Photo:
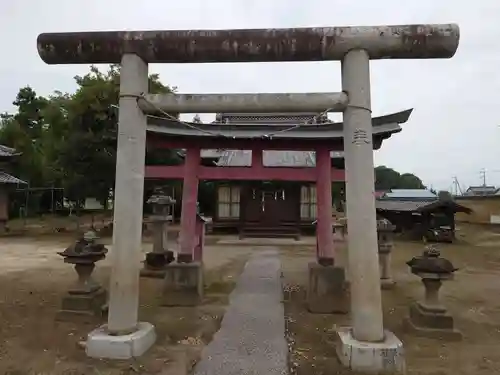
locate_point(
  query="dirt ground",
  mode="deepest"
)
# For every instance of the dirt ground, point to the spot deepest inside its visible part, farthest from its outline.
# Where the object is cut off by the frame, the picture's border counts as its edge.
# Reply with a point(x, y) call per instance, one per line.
point(472, 298)
point(33, 279)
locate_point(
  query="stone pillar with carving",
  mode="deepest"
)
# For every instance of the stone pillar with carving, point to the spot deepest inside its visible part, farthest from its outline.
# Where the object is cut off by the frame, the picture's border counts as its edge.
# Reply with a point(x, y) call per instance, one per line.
point(157, 260)
point(429, 317)
point(385, 234)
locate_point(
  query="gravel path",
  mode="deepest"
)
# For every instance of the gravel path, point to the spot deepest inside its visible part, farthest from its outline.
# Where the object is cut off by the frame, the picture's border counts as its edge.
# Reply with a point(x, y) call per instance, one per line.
point(251, 340)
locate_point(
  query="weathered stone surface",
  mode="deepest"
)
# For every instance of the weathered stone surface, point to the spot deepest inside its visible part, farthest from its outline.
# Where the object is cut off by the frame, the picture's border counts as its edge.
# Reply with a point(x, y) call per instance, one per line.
point(88, 304)
point(100, 344)
point(183, 284)
point(385, 357)
point(255, 45)
point(327, 290)
point(428, 322)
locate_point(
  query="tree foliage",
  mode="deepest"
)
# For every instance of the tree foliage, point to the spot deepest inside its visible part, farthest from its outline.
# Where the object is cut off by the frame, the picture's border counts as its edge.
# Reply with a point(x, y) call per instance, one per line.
point(387, 178)
point(69, 140)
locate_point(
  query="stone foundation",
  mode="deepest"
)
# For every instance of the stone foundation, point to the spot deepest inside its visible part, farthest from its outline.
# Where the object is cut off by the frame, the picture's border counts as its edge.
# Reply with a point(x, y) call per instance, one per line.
point(327, 290)
point(83, 304)
point(386, 357)
point(431, 322)
point(183, 284)
point(100, 344)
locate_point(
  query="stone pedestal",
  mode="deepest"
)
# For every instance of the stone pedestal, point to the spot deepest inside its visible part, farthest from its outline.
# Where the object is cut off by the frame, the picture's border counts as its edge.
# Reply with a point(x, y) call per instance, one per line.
point(155, 264)
point(86, 298)
point(385, 357)
point(428, 322)
point(183, 284)
point(386, 280)
point(327, 290)
point(385, 233)
point(89, 305)
point(338, 231)
point(430, 318)
point(157, 260)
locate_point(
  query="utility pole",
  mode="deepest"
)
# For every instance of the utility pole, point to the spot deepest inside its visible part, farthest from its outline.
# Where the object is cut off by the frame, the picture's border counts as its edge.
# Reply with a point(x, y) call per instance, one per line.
point(458, 188)
point(482, 173)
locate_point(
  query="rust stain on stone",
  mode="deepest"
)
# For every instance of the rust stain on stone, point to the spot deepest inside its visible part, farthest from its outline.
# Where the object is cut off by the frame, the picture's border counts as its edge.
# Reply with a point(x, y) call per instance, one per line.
point(299, 44)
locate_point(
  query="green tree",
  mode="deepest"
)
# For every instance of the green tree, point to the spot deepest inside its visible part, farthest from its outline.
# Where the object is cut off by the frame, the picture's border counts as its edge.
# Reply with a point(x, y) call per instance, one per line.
point(87, 156)
point(387, 178)
point(24, 131)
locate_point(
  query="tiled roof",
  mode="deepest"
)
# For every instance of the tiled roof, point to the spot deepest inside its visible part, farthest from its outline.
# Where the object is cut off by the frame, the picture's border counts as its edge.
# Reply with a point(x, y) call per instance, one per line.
point(7, 151)
point(396, 205)
point(8, 179)
point(383, 128)
point(417, 205)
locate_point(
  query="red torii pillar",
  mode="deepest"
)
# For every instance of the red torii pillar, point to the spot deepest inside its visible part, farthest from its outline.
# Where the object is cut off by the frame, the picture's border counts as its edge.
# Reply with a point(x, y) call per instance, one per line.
point(324, 234)
point(189, 206)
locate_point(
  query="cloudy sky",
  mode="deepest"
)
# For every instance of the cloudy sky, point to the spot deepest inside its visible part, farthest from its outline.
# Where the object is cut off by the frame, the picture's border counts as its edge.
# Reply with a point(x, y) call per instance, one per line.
point(454, 130)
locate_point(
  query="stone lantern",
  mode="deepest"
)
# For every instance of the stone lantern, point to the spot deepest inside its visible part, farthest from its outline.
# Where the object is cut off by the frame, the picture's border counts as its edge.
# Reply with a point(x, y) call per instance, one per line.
point(429, 317)
point(156, 260)
point(385, 236)
point(86, 297)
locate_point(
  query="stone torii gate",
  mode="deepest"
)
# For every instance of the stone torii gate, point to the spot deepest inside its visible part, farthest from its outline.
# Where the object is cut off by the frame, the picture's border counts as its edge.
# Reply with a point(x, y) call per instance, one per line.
point(366, 346)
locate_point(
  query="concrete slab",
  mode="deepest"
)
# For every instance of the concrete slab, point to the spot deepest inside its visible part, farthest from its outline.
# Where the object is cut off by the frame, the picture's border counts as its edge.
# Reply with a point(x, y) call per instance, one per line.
point(385, 357)
point(251, 339)
point(100, 344)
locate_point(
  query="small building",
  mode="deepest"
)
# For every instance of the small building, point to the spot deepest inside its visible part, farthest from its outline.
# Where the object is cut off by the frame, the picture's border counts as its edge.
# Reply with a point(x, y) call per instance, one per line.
point(483, 190)
point(419, 215)
point(7, 183)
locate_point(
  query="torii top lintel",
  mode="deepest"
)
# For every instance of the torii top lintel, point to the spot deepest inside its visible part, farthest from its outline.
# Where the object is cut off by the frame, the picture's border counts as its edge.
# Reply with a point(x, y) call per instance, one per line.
point(254, 45)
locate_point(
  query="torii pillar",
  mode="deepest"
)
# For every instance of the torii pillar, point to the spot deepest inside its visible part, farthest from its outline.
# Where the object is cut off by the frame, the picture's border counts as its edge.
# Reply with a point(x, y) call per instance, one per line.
point(365, 346)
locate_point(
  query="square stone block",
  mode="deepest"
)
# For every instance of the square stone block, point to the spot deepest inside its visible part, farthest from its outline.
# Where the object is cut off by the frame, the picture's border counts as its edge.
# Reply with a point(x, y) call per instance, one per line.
point(183, 284)
point(434, 324)
point(386, 357)
point(154, 274)
point(100, 344)
point(85, 304)
point(327, 290)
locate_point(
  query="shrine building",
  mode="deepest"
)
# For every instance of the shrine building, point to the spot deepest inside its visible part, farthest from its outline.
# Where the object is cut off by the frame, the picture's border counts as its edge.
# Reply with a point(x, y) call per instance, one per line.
point(255, 207)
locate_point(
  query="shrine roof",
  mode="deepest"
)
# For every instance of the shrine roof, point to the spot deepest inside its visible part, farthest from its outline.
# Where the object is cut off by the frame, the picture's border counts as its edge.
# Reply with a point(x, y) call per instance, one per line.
point(6, 178)
point(383, 126)
point(7, 151)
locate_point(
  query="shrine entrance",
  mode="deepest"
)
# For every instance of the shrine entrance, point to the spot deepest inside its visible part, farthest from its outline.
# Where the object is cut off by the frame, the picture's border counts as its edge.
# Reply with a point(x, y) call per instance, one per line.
point(269, 209)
